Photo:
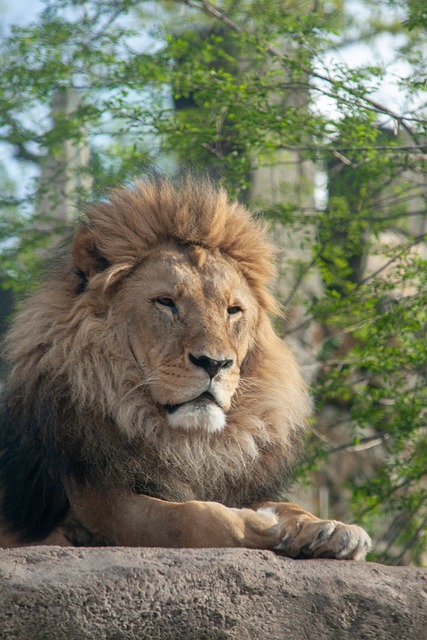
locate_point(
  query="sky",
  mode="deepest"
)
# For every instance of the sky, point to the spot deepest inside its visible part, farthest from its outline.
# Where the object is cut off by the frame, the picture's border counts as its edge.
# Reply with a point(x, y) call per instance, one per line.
point(18, 12)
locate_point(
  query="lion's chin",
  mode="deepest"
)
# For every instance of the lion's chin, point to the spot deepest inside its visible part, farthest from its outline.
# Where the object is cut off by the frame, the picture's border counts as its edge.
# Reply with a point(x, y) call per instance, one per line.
point(208, 417)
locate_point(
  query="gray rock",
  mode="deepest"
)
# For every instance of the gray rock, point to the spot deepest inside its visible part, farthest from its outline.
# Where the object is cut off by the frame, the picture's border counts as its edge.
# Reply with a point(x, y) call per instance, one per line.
point(53, 593)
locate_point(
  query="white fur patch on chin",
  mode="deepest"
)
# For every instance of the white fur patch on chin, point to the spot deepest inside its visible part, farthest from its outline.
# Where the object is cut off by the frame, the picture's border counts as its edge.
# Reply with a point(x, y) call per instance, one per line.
point(210, 418)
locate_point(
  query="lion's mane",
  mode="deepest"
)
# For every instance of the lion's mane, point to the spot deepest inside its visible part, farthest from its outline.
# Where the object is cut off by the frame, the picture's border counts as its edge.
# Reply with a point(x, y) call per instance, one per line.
point(75, 405)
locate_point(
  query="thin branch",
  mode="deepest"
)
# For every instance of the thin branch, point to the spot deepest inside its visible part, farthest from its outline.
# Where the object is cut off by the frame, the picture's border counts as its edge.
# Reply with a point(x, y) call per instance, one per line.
point(301, 276)
point(383, 499)
point(216, 152)
point(213, 11)
point(416, 241)
point(12, 202)
point(17, 139)
point(299, 327)
point(364, 443)
point(412, 540)
point(23, 153)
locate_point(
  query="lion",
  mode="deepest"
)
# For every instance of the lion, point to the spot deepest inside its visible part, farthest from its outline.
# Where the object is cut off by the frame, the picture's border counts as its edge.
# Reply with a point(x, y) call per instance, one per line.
point(150, 401)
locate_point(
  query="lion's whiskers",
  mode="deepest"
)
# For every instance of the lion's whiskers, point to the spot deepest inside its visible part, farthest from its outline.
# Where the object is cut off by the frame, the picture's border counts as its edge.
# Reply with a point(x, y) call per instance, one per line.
point(150, 379)
point(245, 385)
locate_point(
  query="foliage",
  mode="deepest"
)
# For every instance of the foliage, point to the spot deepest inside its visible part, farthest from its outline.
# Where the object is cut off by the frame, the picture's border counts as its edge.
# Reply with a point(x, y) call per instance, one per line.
point(230, 87)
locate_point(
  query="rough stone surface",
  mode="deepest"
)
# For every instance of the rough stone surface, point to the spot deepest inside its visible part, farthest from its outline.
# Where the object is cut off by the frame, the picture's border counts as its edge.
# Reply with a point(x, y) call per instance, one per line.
point(53, 593)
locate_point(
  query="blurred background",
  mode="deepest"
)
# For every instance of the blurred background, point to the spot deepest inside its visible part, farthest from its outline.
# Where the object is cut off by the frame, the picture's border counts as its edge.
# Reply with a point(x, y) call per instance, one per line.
point(312, 113)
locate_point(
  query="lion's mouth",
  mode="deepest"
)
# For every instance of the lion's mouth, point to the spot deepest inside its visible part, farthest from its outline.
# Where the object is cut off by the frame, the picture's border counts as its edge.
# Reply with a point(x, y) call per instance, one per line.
point(201, 399)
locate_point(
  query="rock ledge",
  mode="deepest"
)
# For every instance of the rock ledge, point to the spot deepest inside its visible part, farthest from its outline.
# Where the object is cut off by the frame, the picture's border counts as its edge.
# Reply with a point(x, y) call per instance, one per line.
point(54, 593)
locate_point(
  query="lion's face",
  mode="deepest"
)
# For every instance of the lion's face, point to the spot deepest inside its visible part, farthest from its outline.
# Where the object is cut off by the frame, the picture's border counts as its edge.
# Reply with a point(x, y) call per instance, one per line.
point(191, 319)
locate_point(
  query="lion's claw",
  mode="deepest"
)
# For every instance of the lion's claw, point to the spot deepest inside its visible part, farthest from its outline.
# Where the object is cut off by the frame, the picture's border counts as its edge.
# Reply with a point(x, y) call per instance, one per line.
point(327, 539)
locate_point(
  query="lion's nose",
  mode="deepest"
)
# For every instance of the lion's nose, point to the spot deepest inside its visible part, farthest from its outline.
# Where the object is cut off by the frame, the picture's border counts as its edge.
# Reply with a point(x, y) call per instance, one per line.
point(210, 365)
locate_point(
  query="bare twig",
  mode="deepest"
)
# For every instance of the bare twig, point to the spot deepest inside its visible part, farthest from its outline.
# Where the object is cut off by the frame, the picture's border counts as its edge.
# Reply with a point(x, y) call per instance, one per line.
point(300, 278)
point(364, 443)
point(212, 149)
point(412, 540)
point(409, 245)
point(213, 11)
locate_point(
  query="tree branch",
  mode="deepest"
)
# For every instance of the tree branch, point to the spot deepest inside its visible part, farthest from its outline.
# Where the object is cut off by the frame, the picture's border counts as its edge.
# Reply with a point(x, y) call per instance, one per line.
point(17, 139)
point(407, 246)
point(213, 11)
point(364, 443)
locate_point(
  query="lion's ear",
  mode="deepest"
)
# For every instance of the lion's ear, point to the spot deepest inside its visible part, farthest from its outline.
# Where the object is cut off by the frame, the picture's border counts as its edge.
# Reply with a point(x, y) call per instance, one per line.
point(86, 255)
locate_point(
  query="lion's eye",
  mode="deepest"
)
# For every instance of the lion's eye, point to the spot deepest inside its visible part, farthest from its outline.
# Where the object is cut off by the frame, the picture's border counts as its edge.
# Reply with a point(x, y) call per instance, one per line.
point(234, 309)
point(166, 302)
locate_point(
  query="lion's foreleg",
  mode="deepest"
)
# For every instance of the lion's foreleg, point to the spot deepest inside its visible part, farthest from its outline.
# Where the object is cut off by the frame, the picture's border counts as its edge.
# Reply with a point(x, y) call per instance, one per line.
point(136, 520)
point(120, 518)
point(304, 534)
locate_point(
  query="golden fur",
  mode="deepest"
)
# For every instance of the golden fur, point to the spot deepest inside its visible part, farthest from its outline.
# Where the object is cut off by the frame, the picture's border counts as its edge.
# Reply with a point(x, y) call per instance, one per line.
point(109, 366)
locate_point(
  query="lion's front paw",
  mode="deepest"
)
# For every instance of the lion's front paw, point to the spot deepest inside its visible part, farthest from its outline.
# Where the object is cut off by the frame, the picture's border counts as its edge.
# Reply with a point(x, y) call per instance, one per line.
point(336, 540)
point(327, 539)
